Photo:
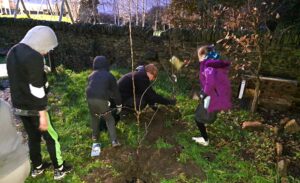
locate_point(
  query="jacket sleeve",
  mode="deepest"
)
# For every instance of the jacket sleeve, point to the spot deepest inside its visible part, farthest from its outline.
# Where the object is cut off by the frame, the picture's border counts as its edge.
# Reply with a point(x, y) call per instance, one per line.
point(150, 95)
point(37, 81)
point(115, 93)
point(209, 83)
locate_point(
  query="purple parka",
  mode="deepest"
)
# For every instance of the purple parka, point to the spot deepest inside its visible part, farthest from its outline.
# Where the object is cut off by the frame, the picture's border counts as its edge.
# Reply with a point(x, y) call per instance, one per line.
point(215, 83)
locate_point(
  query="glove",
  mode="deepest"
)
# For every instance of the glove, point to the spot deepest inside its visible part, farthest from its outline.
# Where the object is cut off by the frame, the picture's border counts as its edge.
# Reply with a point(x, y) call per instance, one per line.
point(154, 107)
point(172, 102)
point(119, 108)
point(202, 95)
point(47, 69)
point(174, 78)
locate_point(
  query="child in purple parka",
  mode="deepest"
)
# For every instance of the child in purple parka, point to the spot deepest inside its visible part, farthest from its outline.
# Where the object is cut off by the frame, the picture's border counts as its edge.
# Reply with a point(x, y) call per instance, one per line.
point(215, 84)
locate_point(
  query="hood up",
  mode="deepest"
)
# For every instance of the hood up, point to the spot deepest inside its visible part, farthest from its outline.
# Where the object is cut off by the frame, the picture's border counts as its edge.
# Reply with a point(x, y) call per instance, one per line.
point(100, 63)
point(40, 38)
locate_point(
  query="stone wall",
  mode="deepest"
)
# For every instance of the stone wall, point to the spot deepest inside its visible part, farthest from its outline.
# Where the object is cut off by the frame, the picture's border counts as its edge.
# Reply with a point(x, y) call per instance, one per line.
point(79, 43)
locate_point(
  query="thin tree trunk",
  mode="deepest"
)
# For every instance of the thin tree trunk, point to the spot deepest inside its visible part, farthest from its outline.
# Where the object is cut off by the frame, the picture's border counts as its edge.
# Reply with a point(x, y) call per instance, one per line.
point(115, 12)
point(257, 82)
point(155, 21)
point(131, 51)
point(75, 7)
point(57, 8)
point(256, 95)
point(95, 12)
point(118, 12)
point(143, 13)
point(137, 12)
point(134, 94)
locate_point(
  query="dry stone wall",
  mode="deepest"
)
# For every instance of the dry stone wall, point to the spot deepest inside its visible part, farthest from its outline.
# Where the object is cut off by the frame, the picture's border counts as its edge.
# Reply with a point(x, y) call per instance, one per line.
point(80, 43)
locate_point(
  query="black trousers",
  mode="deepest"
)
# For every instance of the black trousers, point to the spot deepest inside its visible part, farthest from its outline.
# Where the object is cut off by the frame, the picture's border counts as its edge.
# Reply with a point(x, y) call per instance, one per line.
point(98, 107)
point(31, 125)
point(202, 117)
point(202, 129)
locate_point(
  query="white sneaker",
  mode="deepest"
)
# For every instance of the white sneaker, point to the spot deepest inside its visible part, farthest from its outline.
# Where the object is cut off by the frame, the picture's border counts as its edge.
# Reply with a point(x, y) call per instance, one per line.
point(201, 141)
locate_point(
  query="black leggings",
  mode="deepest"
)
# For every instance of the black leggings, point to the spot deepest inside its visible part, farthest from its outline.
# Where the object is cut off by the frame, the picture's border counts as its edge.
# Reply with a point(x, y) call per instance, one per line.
point(202, 129)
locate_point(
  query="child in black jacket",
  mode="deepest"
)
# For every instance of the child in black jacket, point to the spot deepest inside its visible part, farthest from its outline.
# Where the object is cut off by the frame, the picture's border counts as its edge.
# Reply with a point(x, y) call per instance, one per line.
point(102, 86)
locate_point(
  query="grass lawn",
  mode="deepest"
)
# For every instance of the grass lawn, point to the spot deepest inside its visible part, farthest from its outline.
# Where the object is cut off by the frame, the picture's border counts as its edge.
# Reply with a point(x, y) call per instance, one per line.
point(233, 155)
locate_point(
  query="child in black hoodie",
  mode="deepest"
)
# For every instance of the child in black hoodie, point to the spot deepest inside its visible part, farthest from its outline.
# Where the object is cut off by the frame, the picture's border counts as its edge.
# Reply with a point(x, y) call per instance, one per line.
point(102, 86)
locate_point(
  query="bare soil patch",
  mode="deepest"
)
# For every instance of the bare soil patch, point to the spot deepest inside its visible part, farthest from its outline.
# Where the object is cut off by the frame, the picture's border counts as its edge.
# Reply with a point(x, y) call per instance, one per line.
point(148, 164)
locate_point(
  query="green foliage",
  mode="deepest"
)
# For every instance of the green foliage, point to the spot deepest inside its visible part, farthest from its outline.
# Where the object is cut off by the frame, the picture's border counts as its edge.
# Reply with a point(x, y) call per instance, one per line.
point(180, 178)
point(161, 144)
point(129, 131)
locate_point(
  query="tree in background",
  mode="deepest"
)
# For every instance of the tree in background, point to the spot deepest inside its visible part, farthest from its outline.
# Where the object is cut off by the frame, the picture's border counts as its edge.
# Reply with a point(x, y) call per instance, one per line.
point(88, 12)
point(143, 12)
point(249, 38)
point(250, 27)
point(195, 14)
point(253, 32)
point(206, 14)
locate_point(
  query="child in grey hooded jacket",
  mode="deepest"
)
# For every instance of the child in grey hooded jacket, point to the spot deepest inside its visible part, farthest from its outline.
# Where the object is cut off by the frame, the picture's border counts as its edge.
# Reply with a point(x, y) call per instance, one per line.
point(28, 86)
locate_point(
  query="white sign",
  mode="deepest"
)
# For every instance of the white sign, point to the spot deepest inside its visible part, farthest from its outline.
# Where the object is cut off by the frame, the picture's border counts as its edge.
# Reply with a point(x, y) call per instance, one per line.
point(3, 71)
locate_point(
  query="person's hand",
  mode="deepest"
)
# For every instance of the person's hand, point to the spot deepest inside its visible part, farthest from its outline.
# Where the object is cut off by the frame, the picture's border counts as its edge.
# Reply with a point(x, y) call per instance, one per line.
point(202, 95)
point(186, 63)
point(154, 107)
point(43, 121)
point(119, 108)
point(172, 102)
point(174, 78)
point(47, 69)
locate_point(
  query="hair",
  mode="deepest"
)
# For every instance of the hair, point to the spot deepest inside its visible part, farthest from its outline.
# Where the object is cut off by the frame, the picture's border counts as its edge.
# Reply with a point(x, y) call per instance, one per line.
point(202, 51)
point(151, 68)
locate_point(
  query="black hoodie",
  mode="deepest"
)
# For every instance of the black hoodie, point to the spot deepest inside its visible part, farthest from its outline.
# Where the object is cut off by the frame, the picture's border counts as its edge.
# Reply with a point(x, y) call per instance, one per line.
point(101, 83)
point(142, 84)
point(25, 66)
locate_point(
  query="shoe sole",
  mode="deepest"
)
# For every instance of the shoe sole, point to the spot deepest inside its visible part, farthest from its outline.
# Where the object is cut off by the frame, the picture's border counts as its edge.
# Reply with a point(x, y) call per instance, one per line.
point(194, 138)
point(201, 143)
point(34, 176)
point(62, 176)
point(118, 145)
